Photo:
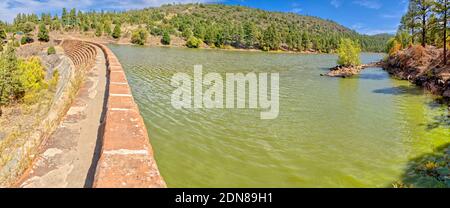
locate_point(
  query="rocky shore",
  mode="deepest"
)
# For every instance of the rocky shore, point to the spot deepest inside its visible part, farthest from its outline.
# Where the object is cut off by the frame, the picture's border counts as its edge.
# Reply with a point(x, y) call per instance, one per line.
point(424, 67)
point(348, 71)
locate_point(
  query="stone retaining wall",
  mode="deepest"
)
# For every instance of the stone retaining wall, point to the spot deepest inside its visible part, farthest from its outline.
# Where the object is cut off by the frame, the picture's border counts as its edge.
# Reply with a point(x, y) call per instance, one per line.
point(24, 153)
point(81, 53)
point(126, 159)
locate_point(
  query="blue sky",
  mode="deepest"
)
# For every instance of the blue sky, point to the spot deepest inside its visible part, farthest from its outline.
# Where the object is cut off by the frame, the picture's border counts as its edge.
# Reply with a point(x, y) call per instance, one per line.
point(364, 16)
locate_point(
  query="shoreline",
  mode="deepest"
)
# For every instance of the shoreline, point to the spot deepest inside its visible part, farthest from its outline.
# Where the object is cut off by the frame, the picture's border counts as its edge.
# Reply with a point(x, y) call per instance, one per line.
point(180, 43)
point(420, 66)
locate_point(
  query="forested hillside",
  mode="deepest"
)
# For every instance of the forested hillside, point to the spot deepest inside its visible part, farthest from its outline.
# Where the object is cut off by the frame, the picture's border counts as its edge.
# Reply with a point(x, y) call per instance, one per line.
point(214, 24)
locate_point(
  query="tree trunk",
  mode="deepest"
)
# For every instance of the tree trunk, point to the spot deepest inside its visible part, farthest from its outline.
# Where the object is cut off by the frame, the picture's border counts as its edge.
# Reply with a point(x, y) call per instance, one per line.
point(445, 33)
point(424, 30)
point(412, 30)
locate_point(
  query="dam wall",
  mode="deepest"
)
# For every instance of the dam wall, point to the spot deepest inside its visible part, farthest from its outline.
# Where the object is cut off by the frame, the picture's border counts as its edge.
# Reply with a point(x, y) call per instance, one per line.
point(126, 159)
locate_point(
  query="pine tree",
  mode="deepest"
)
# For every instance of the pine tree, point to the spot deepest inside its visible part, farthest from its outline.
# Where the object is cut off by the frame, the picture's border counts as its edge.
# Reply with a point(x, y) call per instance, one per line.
point(3, 35)
point(271, 38)
point(99, 30)
point(73, 17)
point(117, 31)
point(424, 9)
point(65, 17)
point(410, 20)
point(107, 28)
point(43, 33)
point(187, 33)
point(441, 7)
point(8, 75)
point(165, 38)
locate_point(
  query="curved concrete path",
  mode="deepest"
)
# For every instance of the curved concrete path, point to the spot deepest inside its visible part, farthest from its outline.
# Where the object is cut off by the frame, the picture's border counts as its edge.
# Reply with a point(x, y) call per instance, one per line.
point(68, 158)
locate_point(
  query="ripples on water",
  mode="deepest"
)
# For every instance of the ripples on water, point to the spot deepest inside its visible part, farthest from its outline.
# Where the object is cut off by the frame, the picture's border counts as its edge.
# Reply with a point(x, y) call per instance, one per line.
point(356, 132)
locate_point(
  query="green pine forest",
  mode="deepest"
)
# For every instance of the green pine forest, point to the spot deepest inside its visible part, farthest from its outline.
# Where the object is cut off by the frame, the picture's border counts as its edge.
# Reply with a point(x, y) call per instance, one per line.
point(213, 24)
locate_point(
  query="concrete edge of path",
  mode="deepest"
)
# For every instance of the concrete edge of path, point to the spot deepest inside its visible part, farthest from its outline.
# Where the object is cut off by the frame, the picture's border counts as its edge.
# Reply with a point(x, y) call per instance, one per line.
point(126, 158)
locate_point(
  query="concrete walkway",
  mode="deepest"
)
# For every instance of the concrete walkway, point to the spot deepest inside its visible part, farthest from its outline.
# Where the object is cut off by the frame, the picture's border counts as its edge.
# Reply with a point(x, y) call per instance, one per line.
point(69, 157)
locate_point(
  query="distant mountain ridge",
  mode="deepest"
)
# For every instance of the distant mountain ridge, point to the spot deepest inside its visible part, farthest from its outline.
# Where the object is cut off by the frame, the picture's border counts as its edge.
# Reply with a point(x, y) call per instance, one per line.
point(298, 32)
point(216, 25)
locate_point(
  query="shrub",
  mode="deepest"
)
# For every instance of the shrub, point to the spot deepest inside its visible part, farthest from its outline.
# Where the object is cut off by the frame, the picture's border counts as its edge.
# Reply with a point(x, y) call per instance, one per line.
point(187, 33)
point(55, 25)
point(404, 39)
point(31, 78)
point(98, 30)
point(107, 28)
point(396, 47)
point(117, 32)
point(139, 36)
point(27, 27)
point(16, 43)
point(9, 86)
point(156, 31)
point(193, 42)
point(54, 81)
point(51, 50)
point(25, 40)
point(43, 33)
point(2, 34)
point(85, 27)
point(165, 39)
point(349, 53)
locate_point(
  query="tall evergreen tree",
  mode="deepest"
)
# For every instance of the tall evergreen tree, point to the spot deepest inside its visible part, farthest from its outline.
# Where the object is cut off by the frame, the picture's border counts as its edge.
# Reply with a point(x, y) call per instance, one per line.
point(271, 38)
point(409, 21)
point(65, 17)
point(8, 75)
point(424, 9)
point(441, 7)
point(2, 33)
point(43, 33)
point(117, 31)
point(165, 38)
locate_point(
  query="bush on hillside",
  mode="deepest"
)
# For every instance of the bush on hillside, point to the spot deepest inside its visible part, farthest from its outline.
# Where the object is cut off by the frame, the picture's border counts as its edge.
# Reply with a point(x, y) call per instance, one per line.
point(27, 27)
point(187, 33)
point(107, 28)
point(165, 39)
point(193, 42)
point(98, 30)
point(31, 78)
point(25, 40)
point(43, 33)
point(54, 81)
point(51, 50)
point(117, 32)
point(2, 34)
point(139, 36)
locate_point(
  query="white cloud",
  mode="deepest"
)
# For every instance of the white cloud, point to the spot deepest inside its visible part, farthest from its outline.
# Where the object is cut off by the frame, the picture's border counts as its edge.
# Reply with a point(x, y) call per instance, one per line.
point(296, 10)
point(335, 3)
point(362, 28)
point(10, 8)
point(371, 4)
point(390, 16)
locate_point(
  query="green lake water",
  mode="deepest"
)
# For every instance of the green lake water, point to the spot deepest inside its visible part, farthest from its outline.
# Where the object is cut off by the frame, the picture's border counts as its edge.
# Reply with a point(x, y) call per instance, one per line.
point(354, 132)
